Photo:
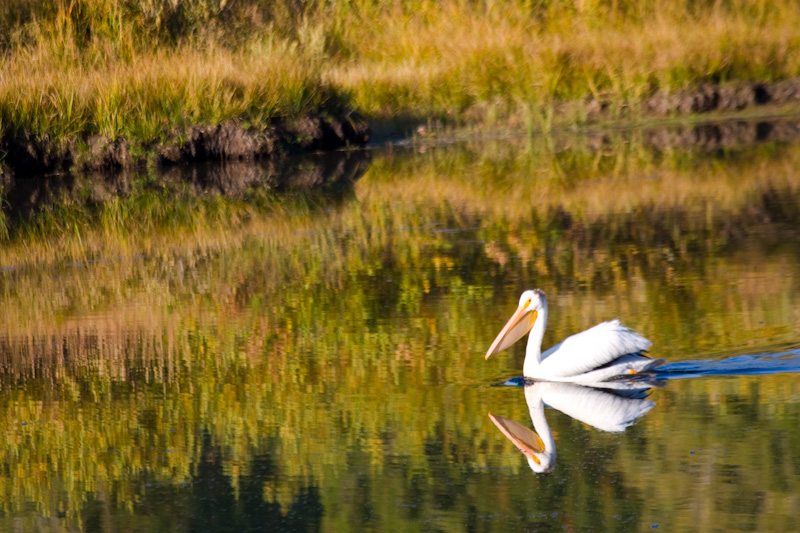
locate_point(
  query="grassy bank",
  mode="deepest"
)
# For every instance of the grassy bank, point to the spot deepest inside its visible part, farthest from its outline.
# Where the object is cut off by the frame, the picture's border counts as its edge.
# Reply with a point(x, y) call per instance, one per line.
point(65, 89)
point(149, 70)
point(518, 59)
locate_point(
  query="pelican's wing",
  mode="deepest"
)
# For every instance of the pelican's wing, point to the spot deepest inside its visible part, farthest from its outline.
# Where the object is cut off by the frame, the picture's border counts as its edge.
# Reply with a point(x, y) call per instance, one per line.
point(592, 349)
point(603, 410)
point(627, 366)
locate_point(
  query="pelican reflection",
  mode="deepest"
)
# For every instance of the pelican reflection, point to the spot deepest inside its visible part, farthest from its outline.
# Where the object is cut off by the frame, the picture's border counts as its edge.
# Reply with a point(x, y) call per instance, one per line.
point(613, 408)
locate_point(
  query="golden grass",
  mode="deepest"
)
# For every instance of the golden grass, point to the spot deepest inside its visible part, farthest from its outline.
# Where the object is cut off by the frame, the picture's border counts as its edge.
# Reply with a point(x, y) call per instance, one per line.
point(462, 60)
point(108, 67)
point(159, 93)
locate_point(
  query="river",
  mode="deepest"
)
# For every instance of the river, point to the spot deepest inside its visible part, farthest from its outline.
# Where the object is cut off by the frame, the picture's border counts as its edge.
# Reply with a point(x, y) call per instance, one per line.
point(210, 355)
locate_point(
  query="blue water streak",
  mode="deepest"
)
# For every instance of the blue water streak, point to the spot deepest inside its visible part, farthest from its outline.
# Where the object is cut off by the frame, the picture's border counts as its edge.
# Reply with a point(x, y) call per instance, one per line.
point(740, 365)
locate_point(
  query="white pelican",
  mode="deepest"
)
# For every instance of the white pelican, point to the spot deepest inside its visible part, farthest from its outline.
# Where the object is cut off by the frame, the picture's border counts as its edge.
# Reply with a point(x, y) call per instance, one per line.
point(607, 411)
point(606, 351)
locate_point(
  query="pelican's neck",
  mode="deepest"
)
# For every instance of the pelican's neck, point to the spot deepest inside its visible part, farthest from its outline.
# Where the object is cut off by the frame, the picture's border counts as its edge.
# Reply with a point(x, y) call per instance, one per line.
point(533, 353)
point(533, 397)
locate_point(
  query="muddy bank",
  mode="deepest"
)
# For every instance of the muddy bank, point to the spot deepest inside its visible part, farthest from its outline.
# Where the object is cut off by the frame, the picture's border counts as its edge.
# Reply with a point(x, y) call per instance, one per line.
point(233, 141)
point(229, 141)
point(705, 98)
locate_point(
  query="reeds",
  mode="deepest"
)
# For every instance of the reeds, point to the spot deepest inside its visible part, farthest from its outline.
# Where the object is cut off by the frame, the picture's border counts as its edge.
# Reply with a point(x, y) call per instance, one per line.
point(146, 70)
point(462, 61)
point(157, 94)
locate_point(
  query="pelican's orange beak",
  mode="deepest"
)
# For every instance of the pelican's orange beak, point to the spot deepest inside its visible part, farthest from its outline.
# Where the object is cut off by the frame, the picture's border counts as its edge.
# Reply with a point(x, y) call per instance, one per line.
point(517, 327)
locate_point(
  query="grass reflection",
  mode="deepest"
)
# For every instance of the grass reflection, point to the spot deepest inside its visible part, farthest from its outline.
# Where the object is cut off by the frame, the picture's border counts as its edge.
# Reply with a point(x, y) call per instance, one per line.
point(330, 356)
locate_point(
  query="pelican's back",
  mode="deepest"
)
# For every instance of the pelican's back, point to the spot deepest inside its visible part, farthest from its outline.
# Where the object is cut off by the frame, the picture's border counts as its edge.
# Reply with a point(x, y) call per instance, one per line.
point(591, 349)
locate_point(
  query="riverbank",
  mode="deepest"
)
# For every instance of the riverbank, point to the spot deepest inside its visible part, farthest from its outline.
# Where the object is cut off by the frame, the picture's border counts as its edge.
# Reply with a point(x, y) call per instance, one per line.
point(114, 84)
point(720, 116)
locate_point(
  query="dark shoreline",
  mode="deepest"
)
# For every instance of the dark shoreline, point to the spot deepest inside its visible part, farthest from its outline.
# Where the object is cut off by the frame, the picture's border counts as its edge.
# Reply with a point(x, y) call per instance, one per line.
point(27, 156)
point(705, 98)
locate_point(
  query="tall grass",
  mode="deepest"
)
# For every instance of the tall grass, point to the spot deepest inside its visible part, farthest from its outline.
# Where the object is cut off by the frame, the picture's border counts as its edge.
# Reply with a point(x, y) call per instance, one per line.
point(147, 70)
point(74, 68)
point(152, 95)
point(473, 60)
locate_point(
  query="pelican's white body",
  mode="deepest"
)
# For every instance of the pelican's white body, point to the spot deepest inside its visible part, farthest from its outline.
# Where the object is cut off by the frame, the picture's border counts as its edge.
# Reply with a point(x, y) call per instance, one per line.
point(606, 351)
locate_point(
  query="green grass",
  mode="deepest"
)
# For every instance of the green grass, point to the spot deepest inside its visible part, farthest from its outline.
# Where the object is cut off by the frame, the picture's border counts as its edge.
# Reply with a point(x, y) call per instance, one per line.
point(149, 70)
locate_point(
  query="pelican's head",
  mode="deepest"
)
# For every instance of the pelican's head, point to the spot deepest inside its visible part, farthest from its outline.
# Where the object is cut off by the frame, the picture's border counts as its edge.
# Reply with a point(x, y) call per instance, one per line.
point(540, 459)
point(542, 463)
point(531, 304)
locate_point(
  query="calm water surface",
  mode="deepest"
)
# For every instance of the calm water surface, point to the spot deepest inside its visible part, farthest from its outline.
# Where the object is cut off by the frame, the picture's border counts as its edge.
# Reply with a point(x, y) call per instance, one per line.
point(319, 365)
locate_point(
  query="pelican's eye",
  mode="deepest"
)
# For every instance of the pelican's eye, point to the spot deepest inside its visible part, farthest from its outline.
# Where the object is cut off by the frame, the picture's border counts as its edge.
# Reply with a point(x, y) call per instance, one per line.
point(527, 302)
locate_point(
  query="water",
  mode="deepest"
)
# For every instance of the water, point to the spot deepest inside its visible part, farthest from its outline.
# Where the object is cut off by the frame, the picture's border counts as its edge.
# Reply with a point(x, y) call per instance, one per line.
point(317, 364)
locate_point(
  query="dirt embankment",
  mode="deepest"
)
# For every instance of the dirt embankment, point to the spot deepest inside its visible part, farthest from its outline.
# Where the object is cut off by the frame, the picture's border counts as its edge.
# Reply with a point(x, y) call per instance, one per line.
point(232, 141)
point(227, 141)
point(705, 98)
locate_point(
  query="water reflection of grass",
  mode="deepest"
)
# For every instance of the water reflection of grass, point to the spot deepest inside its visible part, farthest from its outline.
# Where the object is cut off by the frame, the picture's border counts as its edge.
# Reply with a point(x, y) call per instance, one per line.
point(282, 334)
point(586, 182)
point(548, 222)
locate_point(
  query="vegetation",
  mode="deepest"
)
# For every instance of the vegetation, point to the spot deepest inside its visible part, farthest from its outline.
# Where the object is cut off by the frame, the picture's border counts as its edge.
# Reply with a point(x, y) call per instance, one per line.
point(172, 361)
point(147, 71)
point(312, 358)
